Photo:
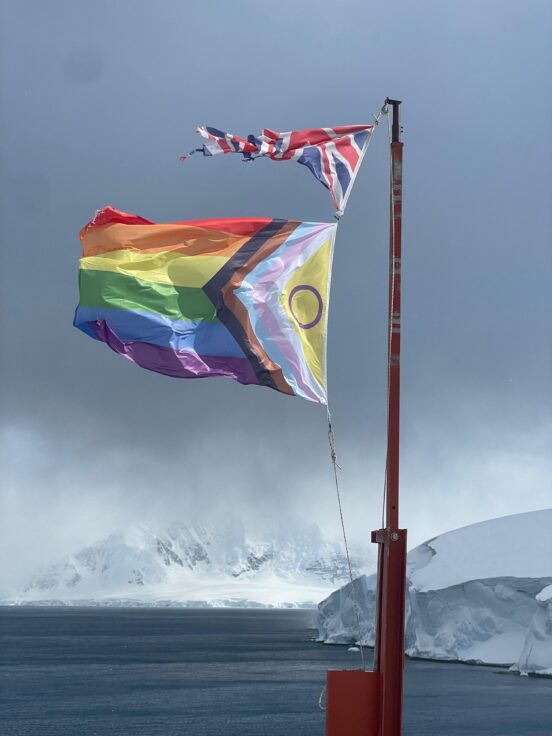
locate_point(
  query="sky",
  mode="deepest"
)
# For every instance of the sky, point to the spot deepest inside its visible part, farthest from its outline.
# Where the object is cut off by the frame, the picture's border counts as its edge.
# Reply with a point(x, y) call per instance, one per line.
point(98, 101)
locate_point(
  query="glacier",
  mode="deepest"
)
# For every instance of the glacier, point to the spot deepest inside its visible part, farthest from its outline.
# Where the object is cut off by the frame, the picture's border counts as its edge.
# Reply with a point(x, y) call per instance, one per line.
point(479, 594)
point(267, 564)
point(536, 656)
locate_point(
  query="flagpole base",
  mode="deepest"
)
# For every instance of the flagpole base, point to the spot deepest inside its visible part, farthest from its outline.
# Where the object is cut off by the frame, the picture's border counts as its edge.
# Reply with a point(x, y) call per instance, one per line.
point(390, 619)
point(353, 703)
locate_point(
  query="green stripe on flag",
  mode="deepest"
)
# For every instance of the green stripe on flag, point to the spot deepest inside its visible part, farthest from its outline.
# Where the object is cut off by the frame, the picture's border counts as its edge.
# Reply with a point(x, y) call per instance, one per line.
point(107, 289)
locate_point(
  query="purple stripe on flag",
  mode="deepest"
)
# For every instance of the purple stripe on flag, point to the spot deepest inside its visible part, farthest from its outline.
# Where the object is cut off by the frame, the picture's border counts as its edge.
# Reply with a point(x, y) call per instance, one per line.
point(182, 364)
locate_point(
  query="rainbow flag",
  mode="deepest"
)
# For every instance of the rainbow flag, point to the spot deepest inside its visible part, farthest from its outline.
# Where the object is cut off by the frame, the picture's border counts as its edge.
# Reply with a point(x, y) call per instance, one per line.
point(243, 298)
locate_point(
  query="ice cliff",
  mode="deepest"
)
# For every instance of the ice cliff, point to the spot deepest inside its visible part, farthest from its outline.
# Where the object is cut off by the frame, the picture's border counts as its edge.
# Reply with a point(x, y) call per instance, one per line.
point(482, 593)
point(536, 656)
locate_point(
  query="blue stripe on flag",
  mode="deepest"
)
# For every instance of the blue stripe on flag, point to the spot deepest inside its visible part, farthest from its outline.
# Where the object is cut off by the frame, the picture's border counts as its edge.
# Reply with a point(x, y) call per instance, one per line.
point(215, 131)
point(342, 174)
point(360, 138)
point(205, 338)
point(312, 159)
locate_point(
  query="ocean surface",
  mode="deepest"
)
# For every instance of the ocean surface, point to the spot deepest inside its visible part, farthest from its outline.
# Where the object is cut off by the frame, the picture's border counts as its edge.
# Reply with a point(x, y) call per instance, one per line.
point(174, 672)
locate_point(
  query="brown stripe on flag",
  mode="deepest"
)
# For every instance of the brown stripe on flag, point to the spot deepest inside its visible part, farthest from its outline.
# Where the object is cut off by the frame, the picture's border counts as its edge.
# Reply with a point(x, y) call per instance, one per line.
point(239, 310)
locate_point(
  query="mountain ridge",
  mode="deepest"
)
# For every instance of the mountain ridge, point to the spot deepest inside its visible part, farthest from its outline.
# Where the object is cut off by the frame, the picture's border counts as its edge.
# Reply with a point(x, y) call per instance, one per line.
point(271, 564)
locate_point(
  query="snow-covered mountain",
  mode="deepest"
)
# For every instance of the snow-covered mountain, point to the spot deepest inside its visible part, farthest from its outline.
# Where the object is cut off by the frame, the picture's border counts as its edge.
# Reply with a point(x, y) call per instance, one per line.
point(273, 565)
point(477, 594)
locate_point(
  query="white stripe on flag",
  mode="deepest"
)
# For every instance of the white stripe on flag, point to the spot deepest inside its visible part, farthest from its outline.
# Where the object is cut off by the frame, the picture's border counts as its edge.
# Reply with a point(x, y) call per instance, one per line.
point(335, 188)
point(331, 132)
point(283, 147)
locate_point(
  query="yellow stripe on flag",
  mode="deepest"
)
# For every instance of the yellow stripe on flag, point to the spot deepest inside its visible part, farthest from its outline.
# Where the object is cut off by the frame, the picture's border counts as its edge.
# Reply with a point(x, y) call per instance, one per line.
point(305, 300)
point(158, 268)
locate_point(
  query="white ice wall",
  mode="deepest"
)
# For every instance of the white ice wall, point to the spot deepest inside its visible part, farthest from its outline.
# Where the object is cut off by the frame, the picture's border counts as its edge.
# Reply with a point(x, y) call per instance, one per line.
point(501, 616)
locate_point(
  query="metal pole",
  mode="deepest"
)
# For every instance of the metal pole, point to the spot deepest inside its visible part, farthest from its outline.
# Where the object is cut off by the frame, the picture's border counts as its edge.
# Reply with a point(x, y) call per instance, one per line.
point(395, 233)
point(389, 647)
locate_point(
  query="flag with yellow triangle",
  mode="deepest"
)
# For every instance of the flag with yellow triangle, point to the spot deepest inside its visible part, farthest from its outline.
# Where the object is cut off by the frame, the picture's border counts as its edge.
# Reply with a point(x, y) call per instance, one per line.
point(245, 298)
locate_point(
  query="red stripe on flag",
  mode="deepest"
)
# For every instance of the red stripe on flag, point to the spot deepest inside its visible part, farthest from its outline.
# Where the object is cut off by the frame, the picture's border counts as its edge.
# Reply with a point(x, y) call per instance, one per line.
point(312, 137)
point(341, 130)
point(246, 226)
point(345, 148)
point(224, 145)
point(109, 214)
point(328, 173)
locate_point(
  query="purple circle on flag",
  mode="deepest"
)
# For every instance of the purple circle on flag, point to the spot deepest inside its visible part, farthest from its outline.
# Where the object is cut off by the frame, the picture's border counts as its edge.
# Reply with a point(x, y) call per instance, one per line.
point(316, 320)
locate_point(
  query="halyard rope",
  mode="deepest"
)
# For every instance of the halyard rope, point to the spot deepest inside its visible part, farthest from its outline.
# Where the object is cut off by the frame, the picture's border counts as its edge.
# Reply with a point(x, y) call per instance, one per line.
point(321, 703)
point(331, 442)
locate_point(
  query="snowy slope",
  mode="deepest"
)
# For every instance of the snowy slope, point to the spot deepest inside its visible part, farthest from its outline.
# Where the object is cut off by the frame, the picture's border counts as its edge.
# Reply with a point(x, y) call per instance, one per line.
point(287, 565)
point(474, 594)
point(518, 546)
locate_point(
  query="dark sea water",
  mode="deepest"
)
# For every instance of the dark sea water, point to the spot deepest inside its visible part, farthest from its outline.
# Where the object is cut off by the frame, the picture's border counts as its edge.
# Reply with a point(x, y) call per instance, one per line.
point(148, 672)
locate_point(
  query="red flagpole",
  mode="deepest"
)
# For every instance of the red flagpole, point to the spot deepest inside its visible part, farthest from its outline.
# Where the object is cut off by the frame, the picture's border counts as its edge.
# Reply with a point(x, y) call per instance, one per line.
point(389, 647)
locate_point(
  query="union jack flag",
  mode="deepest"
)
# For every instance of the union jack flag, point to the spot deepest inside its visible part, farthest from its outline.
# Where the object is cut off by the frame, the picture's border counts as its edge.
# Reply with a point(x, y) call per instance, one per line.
point(332, 154)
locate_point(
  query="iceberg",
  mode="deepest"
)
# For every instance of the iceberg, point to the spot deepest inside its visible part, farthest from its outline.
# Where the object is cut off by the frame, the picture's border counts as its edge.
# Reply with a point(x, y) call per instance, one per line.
point(480, 594)
point(536, 656)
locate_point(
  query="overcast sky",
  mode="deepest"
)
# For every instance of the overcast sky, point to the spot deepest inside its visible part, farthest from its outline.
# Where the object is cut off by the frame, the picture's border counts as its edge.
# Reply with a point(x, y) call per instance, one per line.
point(99, 99)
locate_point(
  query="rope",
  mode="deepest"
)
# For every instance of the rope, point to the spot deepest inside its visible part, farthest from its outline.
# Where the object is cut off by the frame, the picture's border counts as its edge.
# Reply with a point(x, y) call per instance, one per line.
point(321, 703)
point(336, 467)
